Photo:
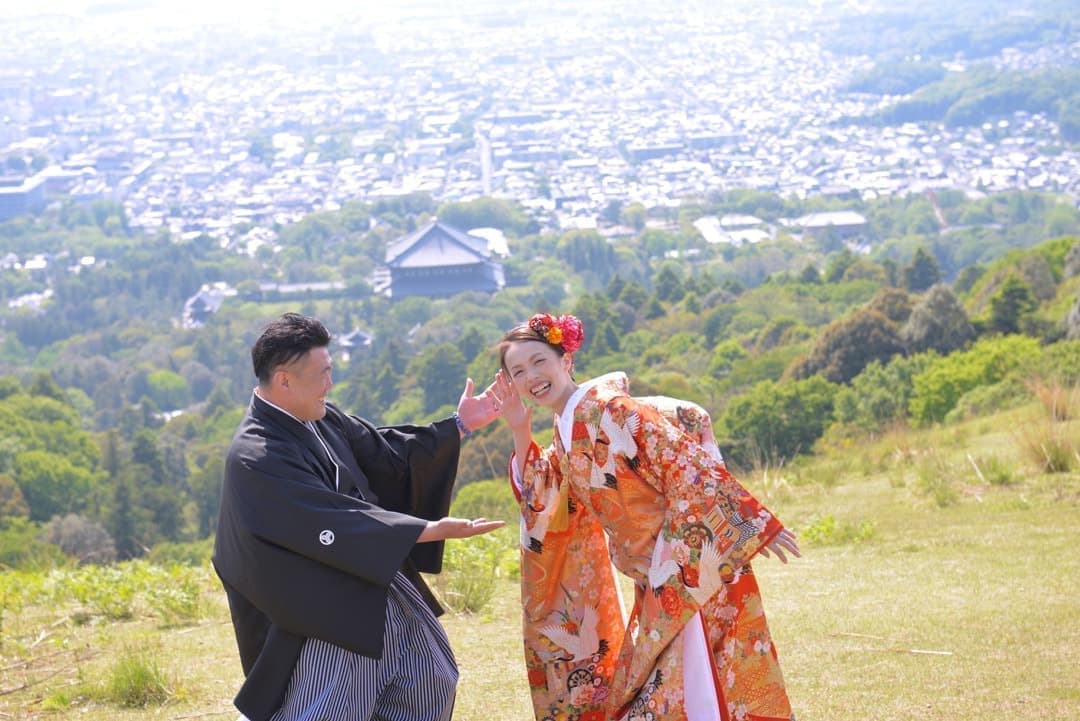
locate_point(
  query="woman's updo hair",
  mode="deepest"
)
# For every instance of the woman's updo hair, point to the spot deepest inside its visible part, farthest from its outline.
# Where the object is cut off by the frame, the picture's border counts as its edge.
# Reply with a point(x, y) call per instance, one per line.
point(564, 333)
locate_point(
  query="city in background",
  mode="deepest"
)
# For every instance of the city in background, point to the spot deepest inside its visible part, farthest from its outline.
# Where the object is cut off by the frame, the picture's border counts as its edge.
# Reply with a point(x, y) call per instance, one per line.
point(233, 121)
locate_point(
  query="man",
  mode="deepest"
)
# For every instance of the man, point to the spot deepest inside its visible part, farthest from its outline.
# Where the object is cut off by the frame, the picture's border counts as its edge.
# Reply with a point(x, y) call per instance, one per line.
point(325, 523)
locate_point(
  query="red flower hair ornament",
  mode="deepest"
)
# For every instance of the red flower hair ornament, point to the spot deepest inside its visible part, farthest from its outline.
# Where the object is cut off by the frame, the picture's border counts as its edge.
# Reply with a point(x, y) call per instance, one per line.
point(565, 331)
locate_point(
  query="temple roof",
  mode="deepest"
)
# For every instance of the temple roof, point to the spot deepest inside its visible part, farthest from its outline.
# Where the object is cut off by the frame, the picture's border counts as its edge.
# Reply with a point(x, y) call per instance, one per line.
point(437, 244)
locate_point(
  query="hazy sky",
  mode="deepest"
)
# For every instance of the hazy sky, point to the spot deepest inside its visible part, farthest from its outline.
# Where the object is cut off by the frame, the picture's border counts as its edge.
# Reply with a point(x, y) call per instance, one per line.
point(196, 11)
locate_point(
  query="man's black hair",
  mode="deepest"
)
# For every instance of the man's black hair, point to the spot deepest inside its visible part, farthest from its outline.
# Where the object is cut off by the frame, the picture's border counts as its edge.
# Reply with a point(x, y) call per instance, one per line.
point(285, 340)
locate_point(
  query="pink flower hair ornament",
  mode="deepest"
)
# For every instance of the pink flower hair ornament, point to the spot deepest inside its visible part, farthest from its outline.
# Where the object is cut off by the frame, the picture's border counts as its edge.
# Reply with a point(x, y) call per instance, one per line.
point(565, 331)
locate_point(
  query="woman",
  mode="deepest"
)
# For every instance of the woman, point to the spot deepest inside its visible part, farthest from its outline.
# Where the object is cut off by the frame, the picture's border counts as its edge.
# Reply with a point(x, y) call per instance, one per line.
point(638, 483)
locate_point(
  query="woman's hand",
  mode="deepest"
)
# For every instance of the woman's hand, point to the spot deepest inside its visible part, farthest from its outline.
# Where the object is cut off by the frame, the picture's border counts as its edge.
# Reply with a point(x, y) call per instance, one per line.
point(509, 404)
point(785, 540)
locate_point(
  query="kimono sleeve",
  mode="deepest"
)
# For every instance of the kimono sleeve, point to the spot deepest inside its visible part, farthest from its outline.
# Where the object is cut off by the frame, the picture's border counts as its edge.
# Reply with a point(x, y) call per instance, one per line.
point(281, 502)
point(412, 470)
point(712, 525)
point(572, 618)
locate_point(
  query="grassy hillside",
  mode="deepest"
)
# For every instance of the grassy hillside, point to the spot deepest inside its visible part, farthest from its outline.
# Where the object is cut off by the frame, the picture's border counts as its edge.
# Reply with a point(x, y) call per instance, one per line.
point(939, 582)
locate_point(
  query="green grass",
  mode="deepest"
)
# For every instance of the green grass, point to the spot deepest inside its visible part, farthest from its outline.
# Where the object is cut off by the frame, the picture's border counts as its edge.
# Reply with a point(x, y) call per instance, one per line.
point(965, 611)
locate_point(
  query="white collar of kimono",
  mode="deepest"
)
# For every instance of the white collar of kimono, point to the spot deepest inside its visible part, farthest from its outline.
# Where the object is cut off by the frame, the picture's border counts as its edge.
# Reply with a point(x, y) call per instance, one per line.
point(565, 420)
point(310, 425)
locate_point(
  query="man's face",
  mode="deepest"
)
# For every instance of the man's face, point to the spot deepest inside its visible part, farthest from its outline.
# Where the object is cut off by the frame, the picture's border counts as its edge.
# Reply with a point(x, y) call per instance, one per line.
point(306, 382)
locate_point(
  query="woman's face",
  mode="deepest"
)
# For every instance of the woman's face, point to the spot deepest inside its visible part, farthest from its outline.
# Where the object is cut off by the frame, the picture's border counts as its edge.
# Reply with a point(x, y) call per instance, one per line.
point(539, 373)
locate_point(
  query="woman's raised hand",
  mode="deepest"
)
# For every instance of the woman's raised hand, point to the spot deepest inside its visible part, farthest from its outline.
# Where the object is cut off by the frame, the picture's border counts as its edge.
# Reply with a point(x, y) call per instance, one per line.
point(508, 403)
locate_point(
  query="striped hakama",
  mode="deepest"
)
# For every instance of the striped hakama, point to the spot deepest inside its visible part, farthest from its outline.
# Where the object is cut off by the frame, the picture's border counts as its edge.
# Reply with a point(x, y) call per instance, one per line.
point(414, 681)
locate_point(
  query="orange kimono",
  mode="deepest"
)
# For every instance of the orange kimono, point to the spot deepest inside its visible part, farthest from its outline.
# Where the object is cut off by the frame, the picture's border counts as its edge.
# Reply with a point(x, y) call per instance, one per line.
point(641, 485)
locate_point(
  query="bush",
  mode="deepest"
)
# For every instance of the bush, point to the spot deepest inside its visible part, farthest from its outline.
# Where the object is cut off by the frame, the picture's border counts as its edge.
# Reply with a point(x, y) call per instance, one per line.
point(472, 568)
point(174, 595)
point(984, 400)
point(107, 591)
point(85, 540)
point(492, 500)
point(826, 530)
point(194, 553)
point(879, 396)
point(22, 547)
point(778, 420)
point(940, 386)
point(1057, 364)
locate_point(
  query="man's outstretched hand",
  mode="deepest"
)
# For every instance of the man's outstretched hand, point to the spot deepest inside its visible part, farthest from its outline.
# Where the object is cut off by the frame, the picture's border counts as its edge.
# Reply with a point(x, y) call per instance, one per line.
point(450, 527)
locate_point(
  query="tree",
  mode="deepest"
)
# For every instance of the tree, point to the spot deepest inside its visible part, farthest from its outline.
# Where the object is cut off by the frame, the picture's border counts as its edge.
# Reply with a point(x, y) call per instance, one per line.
point(587, 250)
point(205, 486)
point(847, 346)
point(1062, 219)
point(634, 215)
point(1035, 271)
point(778, 420)
point(724, 357)
point(837, 265)
point(81, 538)
point(879, 396)
point(892, 271)
point(612, 211)
point(938, 322)
point(439, 371)
point(863, 269)
point(716, 322)
point(669, 286)
point(121, 520)
point(615, 287)
point(51, 484)
point(1072, 322)
point(634, 295)
point(490, 499)
point(163, 508)
point(12, 501)
point(44, 385)
point(167, 389)
point(777, 332)
point(1072, 261)
point(922, 272)
point(938, 388)
point(654, 308)
point(471, 343)
point(968, 277)
point(1010, 305)
point(892, 303)
point(145, 452)
point(484, 455)
point(810, 275)
point(605, 339)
